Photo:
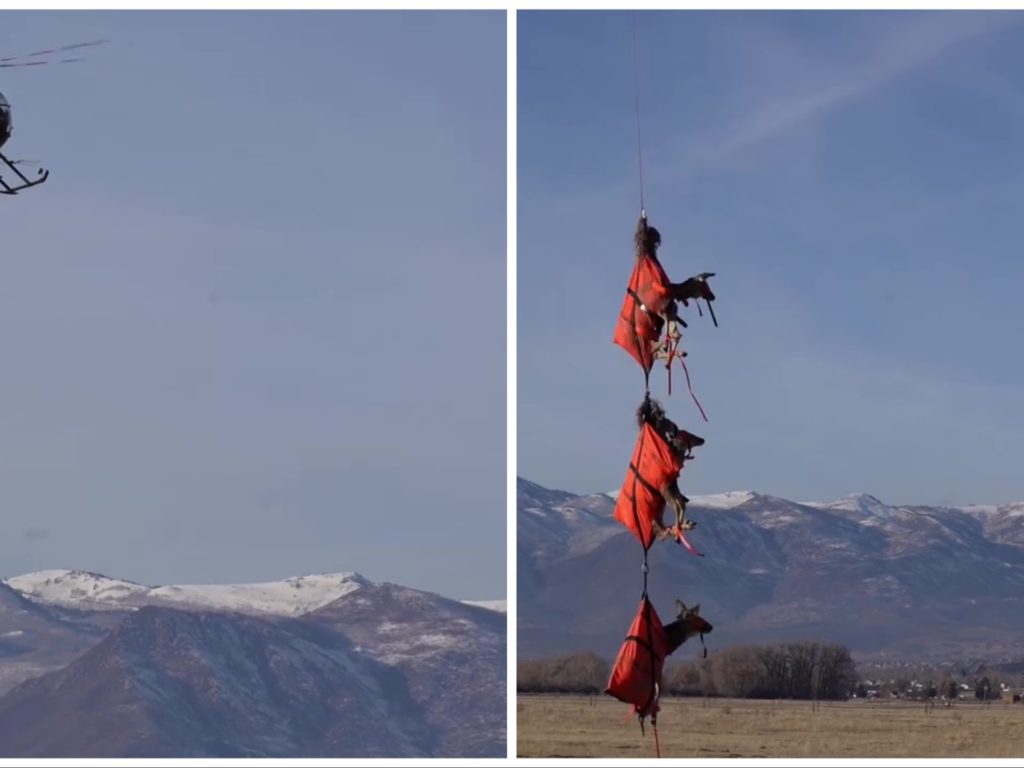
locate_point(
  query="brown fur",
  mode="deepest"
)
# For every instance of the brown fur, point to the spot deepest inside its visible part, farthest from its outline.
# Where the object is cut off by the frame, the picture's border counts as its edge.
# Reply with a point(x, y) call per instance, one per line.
point(646, 239)
point(688, 623)
point(693, 288)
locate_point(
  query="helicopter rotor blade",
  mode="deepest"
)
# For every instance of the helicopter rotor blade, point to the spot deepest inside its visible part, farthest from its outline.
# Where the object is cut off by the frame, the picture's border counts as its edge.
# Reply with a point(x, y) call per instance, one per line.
point(9, 61)
point(12, 65)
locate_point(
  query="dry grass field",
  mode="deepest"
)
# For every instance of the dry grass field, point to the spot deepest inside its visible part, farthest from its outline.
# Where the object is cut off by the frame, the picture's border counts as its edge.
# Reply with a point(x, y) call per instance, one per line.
point(580, 726)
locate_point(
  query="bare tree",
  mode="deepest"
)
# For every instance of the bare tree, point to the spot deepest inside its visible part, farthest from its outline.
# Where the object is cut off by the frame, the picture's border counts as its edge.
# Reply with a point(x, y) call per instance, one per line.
point(571, 673)
point(737, 672)
point(803, 662)
point(776, 669)
point(837, 674)
point(684, 678)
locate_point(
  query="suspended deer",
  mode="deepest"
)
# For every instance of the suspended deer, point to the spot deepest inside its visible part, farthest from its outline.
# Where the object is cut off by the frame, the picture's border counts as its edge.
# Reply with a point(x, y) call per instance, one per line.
point(681, 443)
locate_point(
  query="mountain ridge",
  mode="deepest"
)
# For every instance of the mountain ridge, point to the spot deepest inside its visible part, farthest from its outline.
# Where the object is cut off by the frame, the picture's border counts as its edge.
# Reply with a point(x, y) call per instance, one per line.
point(292, 596)
point(919, 580)
point(378, 671)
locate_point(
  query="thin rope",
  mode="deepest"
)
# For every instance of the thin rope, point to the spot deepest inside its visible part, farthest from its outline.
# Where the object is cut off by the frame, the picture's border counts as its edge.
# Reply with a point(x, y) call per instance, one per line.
point(647, 570)
point(636, 94)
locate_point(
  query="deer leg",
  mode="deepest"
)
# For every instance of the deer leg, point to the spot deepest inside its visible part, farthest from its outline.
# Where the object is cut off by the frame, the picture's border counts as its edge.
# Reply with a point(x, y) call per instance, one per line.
point(658, 527)
point(660, 531)
point(666, 534)
point(674, 497)
point(666, 347)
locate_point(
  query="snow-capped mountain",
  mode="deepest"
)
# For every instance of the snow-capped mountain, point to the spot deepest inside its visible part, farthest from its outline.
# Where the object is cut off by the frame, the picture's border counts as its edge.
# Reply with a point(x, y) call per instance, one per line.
point(896, 581)
point(316, 666)
point(76, 589)
point(93, 591)
point(294, 596)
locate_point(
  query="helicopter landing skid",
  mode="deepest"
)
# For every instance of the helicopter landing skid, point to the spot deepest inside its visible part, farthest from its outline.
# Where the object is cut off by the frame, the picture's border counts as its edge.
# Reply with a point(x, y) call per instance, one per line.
point(23, 182)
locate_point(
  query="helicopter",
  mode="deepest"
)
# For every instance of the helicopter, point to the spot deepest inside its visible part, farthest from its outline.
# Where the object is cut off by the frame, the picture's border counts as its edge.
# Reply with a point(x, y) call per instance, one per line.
point(19, 182)
point(23, 182)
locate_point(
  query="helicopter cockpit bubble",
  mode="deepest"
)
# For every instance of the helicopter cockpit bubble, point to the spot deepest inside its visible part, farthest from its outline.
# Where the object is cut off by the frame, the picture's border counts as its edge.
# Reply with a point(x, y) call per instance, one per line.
point(5, 120)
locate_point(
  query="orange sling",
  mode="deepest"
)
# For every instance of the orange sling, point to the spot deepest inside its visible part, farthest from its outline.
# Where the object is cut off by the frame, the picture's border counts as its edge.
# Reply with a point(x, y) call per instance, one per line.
point(639, 324)
point(640, 501)
point(636, 676)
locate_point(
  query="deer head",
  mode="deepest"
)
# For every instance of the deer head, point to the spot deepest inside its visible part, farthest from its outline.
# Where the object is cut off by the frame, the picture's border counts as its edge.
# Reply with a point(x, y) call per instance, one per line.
point(684, 442)
point(688, 623)
point(704, 290)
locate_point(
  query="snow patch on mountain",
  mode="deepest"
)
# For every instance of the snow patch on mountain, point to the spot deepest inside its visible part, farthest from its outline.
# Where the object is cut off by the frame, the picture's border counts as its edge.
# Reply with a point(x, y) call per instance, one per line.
point(289, 597)
point(498, 606)
point(863, 503)
point(980, 510)
point(293, 596)
point(82, 589)
point(992, 510)
point(86, 590)
point(726, 500)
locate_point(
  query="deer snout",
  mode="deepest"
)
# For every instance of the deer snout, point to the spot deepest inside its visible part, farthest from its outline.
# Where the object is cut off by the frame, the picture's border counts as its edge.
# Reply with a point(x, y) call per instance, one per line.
point(691, 439)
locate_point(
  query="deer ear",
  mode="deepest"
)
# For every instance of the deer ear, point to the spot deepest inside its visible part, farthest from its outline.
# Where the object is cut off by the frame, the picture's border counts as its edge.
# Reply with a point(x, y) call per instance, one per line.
point(696, 609)
point(680, 607)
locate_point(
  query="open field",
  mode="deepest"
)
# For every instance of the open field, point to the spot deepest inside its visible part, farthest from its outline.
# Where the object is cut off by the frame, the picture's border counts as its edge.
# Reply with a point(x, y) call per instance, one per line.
point(581, 726)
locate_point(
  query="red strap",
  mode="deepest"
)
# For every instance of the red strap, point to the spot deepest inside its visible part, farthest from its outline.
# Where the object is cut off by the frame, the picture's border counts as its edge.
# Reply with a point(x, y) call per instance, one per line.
point(657, 744)
point(686, 544)
point(672, 353)
point(688, 386)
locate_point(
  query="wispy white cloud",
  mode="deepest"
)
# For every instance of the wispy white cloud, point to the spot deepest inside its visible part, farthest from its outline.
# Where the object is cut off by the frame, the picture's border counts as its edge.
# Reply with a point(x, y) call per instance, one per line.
point(904, 47)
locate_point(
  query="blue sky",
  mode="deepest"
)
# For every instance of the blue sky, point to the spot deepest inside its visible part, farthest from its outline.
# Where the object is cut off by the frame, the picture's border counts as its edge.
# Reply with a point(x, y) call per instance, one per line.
point(253, 325)
point(854, 179)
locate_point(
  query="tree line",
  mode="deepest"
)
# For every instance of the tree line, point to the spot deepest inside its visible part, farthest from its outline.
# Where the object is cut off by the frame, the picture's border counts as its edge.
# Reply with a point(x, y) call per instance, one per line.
point(793, 670)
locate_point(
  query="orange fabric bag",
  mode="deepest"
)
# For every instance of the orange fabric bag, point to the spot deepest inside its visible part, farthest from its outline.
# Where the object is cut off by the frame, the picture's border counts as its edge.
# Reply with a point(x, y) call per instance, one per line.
point(639, 324)
point(636, 676)
point(640, 502)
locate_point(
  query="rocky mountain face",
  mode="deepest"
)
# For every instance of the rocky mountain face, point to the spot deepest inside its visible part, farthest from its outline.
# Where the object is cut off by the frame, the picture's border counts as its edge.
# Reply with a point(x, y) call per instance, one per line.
point(381, 671)
point(451, 655)
point(888, 581)
point(36, 638)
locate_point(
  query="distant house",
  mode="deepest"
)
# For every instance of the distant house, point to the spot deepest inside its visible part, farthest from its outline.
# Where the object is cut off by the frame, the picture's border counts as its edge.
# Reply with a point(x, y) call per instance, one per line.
point(1009, 697)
